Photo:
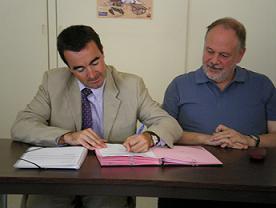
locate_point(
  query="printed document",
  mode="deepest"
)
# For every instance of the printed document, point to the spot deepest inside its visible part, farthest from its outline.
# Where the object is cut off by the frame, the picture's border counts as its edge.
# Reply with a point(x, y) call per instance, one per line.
point(52, 157)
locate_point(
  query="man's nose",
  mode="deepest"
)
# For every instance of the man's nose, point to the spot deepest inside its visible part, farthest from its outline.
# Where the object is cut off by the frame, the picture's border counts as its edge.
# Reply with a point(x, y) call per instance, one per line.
point(215, 59)
point(90, 72)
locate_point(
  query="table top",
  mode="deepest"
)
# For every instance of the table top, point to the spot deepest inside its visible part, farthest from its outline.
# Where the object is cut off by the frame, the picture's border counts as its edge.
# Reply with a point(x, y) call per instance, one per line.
point(238, 179)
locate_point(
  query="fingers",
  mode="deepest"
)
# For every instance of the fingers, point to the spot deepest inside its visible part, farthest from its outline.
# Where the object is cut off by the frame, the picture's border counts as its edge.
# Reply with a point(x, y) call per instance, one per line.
point(230, 142)
point(221, 127)
point(127, 145)
point(221, 139)
point(94, 139)
point(224, 142)
point(239, 146)
point(221, 135)
point(134, 145)
point(137, 143)
point(235, 139)
point(88, 139)
point(223, 132)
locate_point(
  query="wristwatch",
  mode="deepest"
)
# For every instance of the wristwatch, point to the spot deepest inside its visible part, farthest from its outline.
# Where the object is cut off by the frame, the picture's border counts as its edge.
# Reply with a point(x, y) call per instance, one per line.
point(155, 138)
point(256, 138)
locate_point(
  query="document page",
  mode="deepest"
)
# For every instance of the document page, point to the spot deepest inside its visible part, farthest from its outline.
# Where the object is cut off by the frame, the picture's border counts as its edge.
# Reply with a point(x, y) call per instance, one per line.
point(117, 155)
point(120, 150)
point(52, 157)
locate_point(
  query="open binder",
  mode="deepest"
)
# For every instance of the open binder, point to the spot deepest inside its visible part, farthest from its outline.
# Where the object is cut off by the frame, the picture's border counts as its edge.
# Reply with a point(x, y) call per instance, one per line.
point(69, 157)
point(117, 155)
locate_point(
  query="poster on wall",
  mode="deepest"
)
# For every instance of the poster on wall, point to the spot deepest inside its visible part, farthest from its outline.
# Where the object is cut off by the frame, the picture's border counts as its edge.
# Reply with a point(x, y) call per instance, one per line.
point(141, 9)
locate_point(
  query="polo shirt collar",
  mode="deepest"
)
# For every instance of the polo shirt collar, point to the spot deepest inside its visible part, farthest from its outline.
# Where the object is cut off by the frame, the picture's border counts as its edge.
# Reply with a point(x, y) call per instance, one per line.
point(200, 76)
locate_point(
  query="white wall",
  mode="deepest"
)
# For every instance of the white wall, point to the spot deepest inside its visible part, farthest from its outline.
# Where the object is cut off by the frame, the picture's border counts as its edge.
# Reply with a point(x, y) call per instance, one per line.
point(171, 43)
point(158, 49)
point(259, 18)
point(153, 49)
point(23, 55)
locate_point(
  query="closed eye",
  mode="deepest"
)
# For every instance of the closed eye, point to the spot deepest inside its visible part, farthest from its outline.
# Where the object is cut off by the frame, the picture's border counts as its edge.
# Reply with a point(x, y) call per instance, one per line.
point(79, 69)
point(95, 61)
point(224, 55)
point(210, 51)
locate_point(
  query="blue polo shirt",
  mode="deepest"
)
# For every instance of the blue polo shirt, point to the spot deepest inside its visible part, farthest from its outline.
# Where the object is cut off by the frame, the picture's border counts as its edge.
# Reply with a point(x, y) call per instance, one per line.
point(245, 105)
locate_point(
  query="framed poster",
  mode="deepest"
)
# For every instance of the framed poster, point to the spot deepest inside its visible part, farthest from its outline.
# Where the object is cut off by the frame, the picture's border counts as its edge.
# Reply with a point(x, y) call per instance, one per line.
point(141, 9)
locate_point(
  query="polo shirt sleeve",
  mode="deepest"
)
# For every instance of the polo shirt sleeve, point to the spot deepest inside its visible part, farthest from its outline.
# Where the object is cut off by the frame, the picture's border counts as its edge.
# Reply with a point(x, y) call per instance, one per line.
point(171, 99)
point(271, 102)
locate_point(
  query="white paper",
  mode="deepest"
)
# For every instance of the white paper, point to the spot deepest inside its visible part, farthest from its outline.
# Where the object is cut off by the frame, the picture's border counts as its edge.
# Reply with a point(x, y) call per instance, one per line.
point(52, 157)
point(120, 150)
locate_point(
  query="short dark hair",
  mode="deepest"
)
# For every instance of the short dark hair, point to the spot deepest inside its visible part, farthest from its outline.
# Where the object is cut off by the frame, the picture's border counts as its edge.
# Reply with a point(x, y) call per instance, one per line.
point(231, 23)
point(75, 38)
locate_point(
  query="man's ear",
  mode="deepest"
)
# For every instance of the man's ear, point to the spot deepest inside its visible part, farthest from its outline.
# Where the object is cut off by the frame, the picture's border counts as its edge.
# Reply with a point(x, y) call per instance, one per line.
point(241, 53)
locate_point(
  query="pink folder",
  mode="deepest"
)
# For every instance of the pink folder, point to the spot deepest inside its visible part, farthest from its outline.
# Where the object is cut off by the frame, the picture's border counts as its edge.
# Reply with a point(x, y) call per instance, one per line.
point(179, 155)
point(186, 155)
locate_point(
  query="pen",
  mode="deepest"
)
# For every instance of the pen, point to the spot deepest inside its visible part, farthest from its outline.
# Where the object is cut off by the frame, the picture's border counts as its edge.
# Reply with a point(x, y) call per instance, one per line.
point(140, 129)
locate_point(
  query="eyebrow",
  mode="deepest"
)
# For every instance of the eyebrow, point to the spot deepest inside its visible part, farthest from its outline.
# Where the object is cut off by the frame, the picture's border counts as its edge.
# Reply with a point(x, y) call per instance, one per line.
point(93, 60)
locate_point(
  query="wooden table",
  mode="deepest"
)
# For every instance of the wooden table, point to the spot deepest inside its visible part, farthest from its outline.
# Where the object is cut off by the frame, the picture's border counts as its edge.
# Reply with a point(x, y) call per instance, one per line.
point(239, 179)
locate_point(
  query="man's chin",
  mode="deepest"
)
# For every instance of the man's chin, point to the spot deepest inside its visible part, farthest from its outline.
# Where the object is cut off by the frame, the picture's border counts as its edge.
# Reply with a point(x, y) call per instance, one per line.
point(215, 71)
point(214, 76)
point(94, 86)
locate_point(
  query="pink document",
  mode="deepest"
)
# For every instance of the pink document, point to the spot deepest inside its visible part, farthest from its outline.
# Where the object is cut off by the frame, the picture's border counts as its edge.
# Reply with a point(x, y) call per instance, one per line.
point(117, 155)
point(186, 155)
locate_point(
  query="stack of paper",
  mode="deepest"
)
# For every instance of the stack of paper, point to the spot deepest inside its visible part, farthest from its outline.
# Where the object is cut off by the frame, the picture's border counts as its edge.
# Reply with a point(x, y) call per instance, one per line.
point(117, 155)
point(52, 157)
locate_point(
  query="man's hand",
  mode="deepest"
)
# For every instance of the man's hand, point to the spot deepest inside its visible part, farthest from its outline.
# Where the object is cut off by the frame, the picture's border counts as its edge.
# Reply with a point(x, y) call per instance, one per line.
point(208, 140)
point(87, 138)
point(230, 138)
point(138, 143)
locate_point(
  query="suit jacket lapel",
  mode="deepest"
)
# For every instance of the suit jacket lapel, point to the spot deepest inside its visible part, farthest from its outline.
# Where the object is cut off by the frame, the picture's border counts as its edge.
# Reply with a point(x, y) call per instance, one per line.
point(111, 103)
point(74, 101)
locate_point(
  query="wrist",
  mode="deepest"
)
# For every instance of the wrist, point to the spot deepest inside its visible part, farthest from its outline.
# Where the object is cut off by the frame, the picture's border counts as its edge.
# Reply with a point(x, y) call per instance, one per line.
point(61, 140)
point(250, 141)
point(149, 138)
point(203, 139)
point(154, 138)
point(64, 139)
point(255, 139)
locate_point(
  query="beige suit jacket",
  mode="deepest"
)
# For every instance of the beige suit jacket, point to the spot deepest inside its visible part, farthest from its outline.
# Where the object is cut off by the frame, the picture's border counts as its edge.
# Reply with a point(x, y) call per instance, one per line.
point(56, 110)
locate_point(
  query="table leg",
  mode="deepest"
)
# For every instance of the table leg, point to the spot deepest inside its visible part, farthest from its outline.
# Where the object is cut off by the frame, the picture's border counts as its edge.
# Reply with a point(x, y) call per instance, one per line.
point(4, 200)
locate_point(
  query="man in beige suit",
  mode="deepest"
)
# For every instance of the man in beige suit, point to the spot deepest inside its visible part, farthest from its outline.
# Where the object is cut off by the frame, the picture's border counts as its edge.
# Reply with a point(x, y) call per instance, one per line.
point(117, 100)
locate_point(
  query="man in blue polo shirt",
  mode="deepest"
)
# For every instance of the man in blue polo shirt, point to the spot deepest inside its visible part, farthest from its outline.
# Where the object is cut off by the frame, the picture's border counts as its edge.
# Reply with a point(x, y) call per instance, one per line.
point(221, 103)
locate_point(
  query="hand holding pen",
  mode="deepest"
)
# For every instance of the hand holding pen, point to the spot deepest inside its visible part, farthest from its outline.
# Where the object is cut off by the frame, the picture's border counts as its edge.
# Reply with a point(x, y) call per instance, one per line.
point(140, 142)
